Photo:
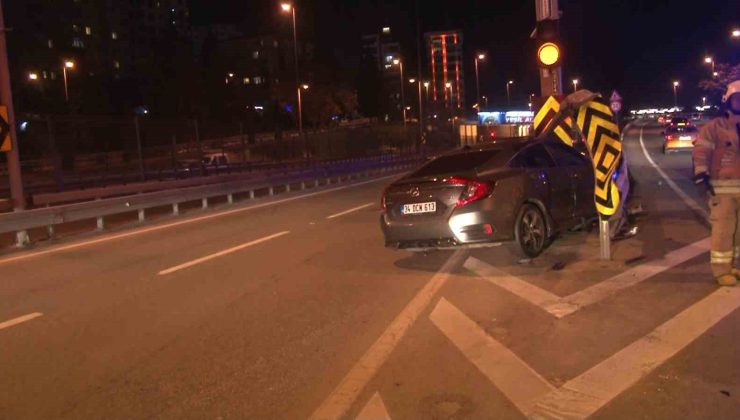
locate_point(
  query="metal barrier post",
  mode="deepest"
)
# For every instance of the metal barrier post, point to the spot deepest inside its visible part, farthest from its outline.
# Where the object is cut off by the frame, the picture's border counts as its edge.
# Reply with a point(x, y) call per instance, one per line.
point(604, 239)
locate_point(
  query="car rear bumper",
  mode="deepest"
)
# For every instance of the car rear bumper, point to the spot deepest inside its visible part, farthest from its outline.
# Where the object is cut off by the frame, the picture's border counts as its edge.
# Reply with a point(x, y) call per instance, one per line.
point(459, 231)
point(678, 145)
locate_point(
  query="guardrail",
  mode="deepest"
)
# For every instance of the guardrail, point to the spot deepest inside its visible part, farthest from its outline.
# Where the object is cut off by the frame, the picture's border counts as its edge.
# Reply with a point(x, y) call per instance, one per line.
point(21, 222)
point(262, 171)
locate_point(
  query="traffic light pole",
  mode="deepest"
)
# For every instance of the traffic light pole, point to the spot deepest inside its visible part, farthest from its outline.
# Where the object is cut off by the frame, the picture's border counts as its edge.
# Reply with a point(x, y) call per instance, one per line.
point(551, 79)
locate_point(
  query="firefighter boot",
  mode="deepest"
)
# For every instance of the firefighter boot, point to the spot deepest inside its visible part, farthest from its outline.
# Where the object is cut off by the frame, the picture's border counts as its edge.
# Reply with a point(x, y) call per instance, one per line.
point(727, 280)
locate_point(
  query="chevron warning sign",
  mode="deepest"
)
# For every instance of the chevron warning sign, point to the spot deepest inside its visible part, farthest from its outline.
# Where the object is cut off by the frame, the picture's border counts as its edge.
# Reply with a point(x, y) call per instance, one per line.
point(545, 117)
point(596, 121)
point(5, 143)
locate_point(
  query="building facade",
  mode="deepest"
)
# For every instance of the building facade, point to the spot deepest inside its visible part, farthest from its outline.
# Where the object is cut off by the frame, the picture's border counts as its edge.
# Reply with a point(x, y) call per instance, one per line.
point(446, 70)
point(381, 49)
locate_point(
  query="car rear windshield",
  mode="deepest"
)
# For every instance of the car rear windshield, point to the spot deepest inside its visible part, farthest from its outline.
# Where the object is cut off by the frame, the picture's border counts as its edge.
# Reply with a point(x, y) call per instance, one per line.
point(682, 129)
point(456, 163)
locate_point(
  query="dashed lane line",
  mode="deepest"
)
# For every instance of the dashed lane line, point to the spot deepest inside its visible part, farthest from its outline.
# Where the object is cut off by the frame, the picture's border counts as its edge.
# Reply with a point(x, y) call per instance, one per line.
point(354, 209)
point(21, 319)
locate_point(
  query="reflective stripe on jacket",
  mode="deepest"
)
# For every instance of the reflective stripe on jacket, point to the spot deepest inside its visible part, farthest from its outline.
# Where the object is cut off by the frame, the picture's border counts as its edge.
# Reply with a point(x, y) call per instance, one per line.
point(717, 152)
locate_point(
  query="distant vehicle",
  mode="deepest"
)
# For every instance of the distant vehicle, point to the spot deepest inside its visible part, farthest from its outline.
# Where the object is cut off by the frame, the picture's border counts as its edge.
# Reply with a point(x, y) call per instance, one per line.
point(216, 160)
point(662, 120)
point(520, 191)
point(679, 137)
point(679, 122)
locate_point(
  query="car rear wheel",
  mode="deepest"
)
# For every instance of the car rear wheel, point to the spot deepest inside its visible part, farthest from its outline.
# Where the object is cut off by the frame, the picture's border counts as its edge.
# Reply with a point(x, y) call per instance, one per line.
point(531, 231)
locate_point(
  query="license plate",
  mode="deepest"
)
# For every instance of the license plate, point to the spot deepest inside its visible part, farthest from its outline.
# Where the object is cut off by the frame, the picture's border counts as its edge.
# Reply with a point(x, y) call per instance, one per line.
point(419, 208)
point(685, 138)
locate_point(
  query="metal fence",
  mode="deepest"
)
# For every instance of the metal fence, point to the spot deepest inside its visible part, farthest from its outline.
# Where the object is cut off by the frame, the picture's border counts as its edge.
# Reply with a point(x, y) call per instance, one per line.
point(70, 152)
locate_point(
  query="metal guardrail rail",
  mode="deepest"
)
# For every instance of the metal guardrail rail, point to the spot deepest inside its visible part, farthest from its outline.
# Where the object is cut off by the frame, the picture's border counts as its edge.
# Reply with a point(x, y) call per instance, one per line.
point(270, 170)
point(21, 222)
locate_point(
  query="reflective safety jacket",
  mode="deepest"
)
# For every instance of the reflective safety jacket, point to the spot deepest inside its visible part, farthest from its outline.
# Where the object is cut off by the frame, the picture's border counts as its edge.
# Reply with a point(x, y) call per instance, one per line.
point(717, 152)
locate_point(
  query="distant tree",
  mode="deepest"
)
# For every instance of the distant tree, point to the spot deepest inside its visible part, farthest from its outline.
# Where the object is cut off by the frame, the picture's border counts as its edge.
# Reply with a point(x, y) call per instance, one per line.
point(726, 74)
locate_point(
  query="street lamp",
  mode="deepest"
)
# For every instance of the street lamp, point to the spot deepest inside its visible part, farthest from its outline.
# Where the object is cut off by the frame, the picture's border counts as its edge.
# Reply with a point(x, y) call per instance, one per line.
point(68, 64)
point(399, 63)
point(575, 85)
point(289, 8)
point(675, 93)
point(418, 86)
point(479, 57)
point(735, 33)
point(508, 92)
point(448, 86)
point(33, 76)
point(703, 101)
point(710, 60)
point(715, 74)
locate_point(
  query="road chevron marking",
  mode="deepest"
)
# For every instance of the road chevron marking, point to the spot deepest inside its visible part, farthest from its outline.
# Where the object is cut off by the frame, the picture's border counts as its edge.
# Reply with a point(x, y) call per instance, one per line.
point(374, 410)
point(514, 377)
point(561, 307)
point(582, 396)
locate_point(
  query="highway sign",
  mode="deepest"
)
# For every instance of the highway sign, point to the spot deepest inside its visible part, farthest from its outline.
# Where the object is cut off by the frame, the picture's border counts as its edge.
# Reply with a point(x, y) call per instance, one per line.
point(5, 143)
point(615, 97)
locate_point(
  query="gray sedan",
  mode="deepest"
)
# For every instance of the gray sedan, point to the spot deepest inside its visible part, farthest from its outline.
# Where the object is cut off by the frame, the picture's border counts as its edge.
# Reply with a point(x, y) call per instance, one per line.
point(517, 190)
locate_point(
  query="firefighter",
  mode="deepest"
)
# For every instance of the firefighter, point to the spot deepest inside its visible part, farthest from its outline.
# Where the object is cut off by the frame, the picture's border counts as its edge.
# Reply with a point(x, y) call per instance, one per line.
point(717, 170)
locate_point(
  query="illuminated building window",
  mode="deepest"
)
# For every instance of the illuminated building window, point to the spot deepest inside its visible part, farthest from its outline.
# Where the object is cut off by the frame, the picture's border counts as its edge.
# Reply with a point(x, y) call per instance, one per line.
point(116, 64)
point(256, 55)
point(113, 35)
point(75, 28)
point(53, 75)
point(247, 81)
point(257, 80)
point(77, 43)
point(88, 30)
point(386, 30)
point(50, 43)
point(45, 74)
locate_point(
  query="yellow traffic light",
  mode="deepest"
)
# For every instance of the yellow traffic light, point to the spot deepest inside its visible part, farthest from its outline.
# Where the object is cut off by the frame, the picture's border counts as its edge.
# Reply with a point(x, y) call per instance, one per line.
point(548, 54)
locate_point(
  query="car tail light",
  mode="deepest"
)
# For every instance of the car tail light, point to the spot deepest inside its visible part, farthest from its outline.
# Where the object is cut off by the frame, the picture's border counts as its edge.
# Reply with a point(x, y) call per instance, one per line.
point(474, 190)
point(383, 201)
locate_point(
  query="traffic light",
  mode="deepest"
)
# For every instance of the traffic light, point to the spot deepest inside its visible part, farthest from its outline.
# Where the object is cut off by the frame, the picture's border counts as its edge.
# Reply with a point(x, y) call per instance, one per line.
point(549, 51)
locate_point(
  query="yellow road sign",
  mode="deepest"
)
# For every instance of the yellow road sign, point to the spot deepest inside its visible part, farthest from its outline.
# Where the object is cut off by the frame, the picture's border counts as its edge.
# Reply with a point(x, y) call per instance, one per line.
point(596, 121)
point(546, 116)
point(5, 143)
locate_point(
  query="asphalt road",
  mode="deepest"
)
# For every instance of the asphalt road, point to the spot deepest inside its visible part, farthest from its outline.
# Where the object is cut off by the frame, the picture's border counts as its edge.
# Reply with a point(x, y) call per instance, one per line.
point(295, 310)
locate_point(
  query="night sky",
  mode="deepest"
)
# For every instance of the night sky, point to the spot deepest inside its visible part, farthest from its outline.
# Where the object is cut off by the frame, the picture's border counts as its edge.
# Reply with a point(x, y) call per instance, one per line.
point(636, 46)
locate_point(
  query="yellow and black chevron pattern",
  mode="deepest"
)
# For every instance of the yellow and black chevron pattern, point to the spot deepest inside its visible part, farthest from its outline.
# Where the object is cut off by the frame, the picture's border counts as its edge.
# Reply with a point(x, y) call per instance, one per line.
point(544, 118)
point(5, 143)
point(596, 121)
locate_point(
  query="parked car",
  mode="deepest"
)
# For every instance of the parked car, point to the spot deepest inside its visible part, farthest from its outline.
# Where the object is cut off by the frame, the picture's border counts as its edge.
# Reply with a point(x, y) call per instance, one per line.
point(524, 191)
point(679, 137)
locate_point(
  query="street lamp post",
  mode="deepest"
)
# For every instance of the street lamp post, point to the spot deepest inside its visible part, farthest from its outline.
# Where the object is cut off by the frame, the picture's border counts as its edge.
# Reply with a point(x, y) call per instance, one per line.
point(399, 63)
point(508, 92)
point(575, 85)
point(479, 57)
point(703, 101)
point(710, 60)
point(675, 93)
point(288, 7)
point(418, 86)
point(68, 64)
point(300, 115)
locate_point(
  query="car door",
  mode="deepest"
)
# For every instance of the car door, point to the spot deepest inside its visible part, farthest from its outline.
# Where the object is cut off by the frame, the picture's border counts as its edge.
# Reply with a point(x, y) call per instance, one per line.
point(580, 171)
point(550, 184)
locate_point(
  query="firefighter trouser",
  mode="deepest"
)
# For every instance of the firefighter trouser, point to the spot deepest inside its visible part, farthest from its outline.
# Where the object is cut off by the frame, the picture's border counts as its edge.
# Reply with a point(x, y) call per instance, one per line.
point(725, 214)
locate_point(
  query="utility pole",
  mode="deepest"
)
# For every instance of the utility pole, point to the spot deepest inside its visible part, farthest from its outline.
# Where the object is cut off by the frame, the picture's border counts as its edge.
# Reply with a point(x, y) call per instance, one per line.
point(6, 99)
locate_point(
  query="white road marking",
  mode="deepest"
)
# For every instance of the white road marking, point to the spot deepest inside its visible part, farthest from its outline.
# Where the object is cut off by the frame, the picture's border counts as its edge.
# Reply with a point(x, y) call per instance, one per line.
point(333, 216)
point(19, 320)
point(525, 290)
point(684, 197)
point(581, 397)
point(182, 222)
point(561, 307)
point(221, 253)
point(511, 375)
point(344, 395)
point(374, 410)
